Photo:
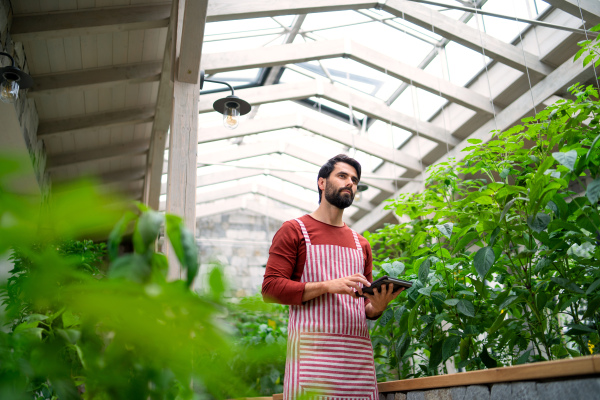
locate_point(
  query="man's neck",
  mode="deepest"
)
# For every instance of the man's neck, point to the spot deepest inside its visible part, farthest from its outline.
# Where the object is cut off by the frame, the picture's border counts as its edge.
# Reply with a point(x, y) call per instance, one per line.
point(328, 214)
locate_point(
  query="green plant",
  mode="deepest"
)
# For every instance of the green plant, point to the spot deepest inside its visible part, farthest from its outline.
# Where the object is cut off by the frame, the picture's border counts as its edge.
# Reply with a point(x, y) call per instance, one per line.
point(261, 328)
point(82, 329)
point(503, 249)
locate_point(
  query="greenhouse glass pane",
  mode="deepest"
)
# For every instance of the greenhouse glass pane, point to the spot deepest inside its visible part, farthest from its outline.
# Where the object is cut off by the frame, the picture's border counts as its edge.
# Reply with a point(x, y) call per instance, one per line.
point(463, 63)
point(240, 25)
point(326, 20)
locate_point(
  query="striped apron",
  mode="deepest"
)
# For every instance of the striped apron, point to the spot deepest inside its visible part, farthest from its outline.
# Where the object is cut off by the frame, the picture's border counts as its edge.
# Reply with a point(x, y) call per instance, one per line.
point(329, 354)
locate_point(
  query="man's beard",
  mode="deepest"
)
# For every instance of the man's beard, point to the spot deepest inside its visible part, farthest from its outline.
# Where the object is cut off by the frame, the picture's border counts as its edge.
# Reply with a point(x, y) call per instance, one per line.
point(336, 198)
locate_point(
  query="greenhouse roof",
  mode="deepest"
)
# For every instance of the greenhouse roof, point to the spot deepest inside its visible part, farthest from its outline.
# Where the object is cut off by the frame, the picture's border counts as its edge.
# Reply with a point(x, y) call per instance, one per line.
point(397, 84)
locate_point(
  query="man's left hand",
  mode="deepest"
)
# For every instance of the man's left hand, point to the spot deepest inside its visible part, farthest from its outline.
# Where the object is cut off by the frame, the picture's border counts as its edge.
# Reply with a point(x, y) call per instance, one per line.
point(380, 299)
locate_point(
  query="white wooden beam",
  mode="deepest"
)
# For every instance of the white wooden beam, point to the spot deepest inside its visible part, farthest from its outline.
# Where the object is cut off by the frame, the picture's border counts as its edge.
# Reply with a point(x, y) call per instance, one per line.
point(54, 127)
point(588, 9)
point(265, 148)
point(251, 127)
point(56, 161)
point(56, 83)
point(564, 76)
point(302, 52)
point(89, 22)
point(181, 188)
point(234, 204)
point(372, 107)
point(227, 10)
point(162, 118)
point(191, 41)
point(208, 197)
point(471, 38)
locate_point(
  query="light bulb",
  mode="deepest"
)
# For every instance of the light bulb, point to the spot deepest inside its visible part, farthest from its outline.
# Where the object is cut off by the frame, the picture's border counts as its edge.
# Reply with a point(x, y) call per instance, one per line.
point(9, 89)
point(231, 115)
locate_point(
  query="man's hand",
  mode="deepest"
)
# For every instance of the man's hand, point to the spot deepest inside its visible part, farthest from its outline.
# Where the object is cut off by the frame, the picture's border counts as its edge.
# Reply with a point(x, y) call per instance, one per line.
point(380, 299)
point(343, 285)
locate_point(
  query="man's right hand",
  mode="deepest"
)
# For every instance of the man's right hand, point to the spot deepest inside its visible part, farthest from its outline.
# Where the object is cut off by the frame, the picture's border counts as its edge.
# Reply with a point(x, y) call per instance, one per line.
point(345, 285)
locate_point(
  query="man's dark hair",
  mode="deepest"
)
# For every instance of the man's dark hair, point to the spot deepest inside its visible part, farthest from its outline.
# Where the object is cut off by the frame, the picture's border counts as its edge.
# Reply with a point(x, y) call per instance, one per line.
point(326, 169)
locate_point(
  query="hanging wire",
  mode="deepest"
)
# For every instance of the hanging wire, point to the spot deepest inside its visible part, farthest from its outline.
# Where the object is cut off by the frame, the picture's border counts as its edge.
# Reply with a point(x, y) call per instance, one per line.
point(440, 94)
point(587, 38)
point(487, 73)
point(394, 173)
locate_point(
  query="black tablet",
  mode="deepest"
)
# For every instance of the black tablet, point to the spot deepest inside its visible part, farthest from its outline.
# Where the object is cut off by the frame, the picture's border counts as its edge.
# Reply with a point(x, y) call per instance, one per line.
point(385, 280)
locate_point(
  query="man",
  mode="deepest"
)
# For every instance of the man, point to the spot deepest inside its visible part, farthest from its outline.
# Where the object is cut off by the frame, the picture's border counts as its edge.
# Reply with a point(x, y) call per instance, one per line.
point(316, 265)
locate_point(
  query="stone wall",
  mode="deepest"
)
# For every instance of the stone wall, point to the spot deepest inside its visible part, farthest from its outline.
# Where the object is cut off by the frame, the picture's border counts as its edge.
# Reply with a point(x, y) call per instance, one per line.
point(24, 107)
point(585, 388)
point(239, 242)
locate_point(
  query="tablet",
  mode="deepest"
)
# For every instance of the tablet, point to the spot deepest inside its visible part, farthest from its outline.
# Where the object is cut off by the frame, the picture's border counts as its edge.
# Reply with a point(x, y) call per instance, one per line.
point(385, 280)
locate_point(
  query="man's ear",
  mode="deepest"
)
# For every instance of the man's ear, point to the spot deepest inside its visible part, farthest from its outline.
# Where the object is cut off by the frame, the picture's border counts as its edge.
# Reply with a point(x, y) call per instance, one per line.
point(321, 183)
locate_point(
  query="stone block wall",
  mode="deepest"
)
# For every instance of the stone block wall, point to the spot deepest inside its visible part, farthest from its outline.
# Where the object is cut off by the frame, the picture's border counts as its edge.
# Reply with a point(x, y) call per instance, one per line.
point(582, 388)
point(24, 107)
point(239, 242)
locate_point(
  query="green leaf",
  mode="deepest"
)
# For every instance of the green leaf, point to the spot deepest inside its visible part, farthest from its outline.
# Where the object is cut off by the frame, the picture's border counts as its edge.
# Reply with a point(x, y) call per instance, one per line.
point(579, 329)
point(184, 245)
point(563, 207)
point(70, 335)
point(585, 250)
point(593, 191)
point(451, 302)
point(567, 159)
point(592, 306)
point(446, 229)
point(593, 287)
point(483, 260)
point(403, 344)
point(509, 300)
point(494, 235)
point(474, 141)
point(435, 355)
point(116, 235)
point(425, 291)
point(596, 140)
point(146, 231)
point(505, 172)
point(398, 312)
point(485, 200)
point(160, 263)
point(488, 361)
point(424, 270)
point(497, 323)
point(133, 267)
point(523, 358)
point(418, 240)
point(509, 205)
point(394, 269)
point(450, 345)
point(567, 284)
point(466, 307)
point(216, 283)
point(386, 317)
point(465, 240)
point(538, 223)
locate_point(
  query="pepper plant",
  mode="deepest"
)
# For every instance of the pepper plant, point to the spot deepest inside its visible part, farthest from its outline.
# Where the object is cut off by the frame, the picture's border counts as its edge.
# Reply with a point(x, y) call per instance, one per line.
point(503, 248)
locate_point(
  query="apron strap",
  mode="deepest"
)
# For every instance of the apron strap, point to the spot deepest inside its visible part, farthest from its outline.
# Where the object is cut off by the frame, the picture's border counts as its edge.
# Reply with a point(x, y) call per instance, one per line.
point(358, 247)
point(304, 231)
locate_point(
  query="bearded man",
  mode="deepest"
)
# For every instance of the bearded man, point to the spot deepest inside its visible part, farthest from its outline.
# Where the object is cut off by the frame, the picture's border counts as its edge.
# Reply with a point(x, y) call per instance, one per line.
point(317, 264)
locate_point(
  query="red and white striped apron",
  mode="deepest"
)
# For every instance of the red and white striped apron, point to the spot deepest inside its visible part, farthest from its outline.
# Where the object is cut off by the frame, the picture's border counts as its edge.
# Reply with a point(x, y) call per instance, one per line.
point(329, 351)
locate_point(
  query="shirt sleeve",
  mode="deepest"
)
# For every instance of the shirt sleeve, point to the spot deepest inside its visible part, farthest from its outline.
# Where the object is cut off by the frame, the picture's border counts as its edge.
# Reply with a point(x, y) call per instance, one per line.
point(280, 283)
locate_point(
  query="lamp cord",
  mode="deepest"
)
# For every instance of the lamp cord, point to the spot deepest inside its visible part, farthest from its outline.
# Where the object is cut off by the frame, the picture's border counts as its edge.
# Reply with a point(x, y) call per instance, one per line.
point(223, 83)
point(12, 60)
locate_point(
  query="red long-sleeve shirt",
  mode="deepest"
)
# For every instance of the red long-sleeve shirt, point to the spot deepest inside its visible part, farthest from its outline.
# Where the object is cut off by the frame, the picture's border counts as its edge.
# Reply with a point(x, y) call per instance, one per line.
point(287, 256)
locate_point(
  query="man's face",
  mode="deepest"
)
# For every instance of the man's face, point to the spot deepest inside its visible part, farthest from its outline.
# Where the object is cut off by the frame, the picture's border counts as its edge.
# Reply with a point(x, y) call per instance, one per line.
point(341, 185)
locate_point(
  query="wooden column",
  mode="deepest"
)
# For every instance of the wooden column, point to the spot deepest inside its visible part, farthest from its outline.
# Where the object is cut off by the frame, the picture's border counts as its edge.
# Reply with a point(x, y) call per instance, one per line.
point(183, 139)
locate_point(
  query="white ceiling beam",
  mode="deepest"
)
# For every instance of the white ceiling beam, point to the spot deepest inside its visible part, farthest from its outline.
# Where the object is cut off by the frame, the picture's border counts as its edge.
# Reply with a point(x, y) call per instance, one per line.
point(234, 205)
point(265, 148)
point(372, 107)
point(60, 82)
point(303, 52)
point(226, 10)
point(361, 143)
point(54, 127)
point(564, 76)
point(208, 197)
point(589, 8)
point(471, 38)
point(89, 22)
point(192, 37)
point(418, 14)
point(57, 161)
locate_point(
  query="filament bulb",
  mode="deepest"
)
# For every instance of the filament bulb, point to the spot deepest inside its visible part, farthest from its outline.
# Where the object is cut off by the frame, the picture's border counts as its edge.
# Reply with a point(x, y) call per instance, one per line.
point(231, 115)
point(9, 89)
